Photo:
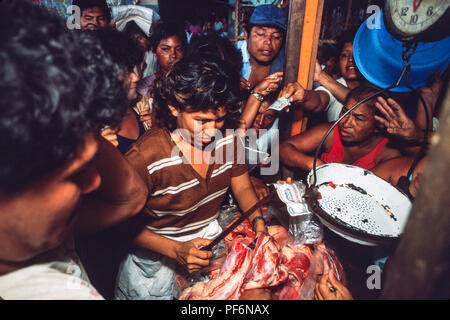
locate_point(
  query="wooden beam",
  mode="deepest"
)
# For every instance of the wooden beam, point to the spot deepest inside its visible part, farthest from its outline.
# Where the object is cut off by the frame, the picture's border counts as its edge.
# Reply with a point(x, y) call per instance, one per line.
point(308, 54)
point(236, 19)
point(305, 17)
point(421, 263)
point(293, 40)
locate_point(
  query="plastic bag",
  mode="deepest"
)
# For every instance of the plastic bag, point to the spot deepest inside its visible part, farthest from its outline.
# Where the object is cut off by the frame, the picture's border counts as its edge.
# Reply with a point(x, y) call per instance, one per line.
point(323, 261)
point(303, 227)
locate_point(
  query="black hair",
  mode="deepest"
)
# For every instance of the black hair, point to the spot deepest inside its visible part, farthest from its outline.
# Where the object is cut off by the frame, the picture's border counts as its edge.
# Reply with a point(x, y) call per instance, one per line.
point(347, 36)
point(88, 4)
point(198, 83)
point(362, 92)
point(217, 46)
point(132, 28)
point(166, 30)
point(55, 86)
point(326, 52)
point(272, 96)
point(122, 49)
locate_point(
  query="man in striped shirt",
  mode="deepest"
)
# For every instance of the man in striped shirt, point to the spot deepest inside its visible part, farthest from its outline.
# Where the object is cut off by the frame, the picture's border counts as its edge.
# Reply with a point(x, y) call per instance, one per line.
point(188, 166)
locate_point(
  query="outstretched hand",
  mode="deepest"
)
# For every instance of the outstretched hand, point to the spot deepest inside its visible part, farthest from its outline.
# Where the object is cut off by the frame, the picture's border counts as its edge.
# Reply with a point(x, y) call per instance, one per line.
point(294, 92)
point(269, 84)
point(317, 72)
point(396, 121)
point(330, 288)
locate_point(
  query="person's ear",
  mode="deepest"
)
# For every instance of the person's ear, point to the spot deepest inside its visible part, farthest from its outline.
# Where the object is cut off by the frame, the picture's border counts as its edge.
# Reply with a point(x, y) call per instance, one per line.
point(246, 34)
point(173, 111)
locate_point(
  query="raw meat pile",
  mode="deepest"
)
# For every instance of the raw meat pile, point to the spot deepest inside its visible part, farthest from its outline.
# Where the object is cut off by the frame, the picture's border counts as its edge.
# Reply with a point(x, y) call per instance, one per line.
point(290, 273)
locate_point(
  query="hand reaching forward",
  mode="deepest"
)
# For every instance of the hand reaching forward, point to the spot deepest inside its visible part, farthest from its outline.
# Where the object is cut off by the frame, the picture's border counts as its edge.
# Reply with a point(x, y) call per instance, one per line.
point(330, 288)
point(269, 83)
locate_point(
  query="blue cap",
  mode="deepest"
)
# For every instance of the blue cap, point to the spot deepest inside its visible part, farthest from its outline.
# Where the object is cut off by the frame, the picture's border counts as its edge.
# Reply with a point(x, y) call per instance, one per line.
point(268, 14)
point(378, 56)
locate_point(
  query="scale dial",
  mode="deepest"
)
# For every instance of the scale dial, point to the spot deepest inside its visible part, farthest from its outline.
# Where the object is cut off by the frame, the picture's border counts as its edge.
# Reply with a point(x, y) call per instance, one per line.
point(414, 20)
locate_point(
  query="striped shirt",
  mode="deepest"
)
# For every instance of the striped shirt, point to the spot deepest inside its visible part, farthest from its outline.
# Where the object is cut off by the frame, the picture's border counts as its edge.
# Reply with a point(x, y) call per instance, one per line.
point(180, 200)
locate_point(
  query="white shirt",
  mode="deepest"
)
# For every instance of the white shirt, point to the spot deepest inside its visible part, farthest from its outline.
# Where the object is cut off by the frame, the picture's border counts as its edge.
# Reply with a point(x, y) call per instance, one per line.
point(60, 276)
point(334, 107)
point(218, 26)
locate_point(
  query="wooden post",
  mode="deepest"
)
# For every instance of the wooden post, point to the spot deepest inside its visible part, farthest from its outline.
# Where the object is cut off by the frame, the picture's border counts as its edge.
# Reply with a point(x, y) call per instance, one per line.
point(302, 39)
point(310, 33)
point(293, 40)
point(419, 266)
point(236, 20)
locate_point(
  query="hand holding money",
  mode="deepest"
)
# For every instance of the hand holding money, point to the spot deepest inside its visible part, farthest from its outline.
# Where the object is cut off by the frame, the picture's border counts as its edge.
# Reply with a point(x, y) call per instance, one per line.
point(269, 84)
point(294, 92)
point(280, 104)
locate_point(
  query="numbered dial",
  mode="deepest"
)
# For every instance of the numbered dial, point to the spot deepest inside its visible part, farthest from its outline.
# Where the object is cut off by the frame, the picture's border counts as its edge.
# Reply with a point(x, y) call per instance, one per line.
point(410, 18)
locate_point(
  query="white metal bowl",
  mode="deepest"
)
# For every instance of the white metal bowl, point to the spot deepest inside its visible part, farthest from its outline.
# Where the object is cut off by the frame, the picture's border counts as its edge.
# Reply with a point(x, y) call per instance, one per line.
point(358, 205)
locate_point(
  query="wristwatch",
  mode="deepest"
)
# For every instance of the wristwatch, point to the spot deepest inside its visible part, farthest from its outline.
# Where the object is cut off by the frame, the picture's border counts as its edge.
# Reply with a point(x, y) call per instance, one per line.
point(257, 95)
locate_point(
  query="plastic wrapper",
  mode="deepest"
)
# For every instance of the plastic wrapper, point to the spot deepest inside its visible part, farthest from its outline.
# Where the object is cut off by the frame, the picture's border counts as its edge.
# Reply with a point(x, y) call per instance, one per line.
point(302, 225)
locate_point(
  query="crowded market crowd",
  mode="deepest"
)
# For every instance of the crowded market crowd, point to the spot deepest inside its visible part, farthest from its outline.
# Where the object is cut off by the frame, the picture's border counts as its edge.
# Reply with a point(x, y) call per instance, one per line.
point(118, 154)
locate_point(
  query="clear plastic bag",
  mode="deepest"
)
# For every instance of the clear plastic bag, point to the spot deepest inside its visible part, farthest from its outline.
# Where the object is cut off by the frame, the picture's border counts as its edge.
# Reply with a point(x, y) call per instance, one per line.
point(302, 225)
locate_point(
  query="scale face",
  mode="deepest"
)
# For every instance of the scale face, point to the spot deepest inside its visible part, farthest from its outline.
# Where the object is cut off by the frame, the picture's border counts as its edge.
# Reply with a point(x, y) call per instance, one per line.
point(417, 20)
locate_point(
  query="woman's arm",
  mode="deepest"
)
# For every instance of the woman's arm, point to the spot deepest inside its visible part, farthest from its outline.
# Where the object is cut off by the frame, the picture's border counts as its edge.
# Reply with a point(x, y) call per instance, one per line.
point(392, 170)
point(308, 100)
point(295, 151)
point(252, 106)
point(430, 94)
point(338, 90)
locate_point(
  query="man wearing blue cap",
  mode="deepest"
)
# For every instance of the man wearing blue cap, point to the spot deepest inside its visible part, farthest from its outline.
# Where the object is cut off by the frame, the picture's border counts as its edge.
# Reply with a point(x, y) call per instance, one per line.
point(262, 51)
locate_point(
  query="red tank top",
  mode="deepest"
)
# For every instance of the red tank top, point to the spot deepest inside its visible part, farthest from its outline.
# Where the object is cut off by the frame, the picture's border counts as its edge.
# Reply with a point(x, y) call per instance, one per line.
point(336, 153)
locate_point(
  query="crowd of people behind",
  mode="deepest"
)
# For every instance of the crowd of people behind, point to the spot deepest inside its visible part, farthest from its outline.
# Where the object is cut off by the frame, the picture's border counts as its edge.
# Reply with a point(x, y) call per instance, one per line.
point(91, 118)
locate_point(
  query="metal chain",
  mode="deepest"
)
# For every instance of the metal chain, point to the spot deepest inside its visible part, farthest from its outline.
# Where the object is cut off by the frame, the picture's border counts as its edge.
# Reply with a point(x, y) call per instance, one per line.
point(410, 48)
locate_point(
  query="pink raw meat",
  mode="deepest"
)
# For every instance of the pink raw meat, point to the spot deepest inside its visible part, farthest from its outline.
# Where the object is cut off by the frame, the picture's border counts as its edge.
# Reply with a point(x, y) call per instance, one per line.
point(279, 233)
point(227, 284)
point(266, 269)
point(298, 260)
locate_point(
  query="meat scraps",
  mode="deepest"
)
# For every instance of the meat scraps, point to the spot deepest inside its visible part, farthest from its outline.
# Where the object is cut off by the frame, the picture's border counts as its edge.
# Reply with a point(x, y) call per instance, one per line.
point(226, 284)
point(290, 273)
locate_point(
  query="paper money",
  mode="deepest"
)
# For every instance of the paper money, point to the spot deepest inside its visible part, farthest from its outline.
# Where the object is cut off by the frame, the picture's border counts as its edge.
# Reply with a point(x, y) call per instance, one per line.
point(280, 104)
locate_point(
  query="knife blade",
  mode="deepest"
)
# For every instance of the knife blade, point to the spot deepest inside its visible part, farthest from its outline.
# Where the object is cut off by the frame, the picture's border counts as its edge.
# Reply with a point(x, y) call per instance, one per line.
point(233, 226)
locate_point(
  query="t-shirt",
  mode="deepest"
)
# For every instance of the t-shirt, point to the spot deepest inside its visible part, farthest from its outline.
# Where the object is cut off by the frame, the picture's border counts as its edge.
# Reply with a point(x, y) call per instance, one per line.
point(180, 200)
point(58, 275)
point(334, 107)
point(336, 153)
point(218, 26)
